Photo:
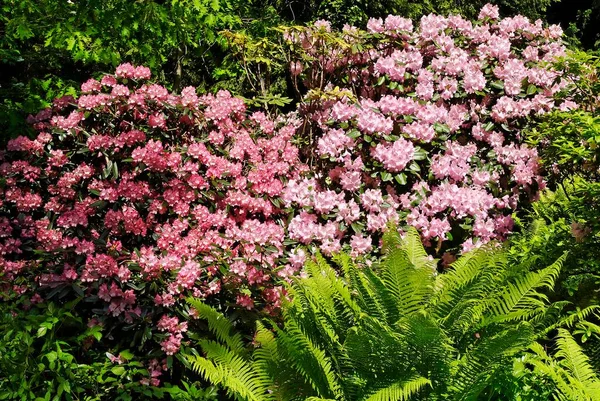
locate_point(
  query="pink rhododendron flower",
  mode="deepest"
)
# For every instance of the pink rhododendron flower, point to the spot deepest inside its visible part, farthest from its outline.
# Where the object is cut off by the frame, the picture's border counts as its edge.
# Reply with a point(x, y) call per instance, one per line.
point(489, 11)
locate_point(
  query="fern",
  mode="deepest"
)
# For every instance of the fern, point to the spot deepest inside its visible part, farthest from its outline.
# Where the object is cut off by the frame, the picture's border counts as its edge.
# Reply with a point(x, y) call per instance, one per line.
point(462, 299)
point(219, 325)
point(309, 361)
point(521, 299)
point(484, 358)
point(398, 331)
point(412, 245)
point(578, 316)
point(400, 391)
point(569, 369)
point(223, 371)
point(410, 286)
point(575, 360)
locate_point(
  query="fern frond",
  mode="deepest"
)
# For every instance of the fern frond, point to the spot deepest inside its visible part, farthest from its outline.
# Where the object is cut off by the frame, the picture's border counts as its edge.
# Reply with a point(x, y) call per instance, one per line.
point(330, 283)
point(266, 342)
point(366, 294)
point(384, 297)
point(232, 361)
point(218, 324)
point(485, 358)
point(578, 316)
point(470, 302)
point(315, 310)
point(324, 309)
point(462, 272)
point(400, 391)
point(377, 355)
point(415, 251)
point(225, 372)
point(539, 351)
point(521, 295)
point(310, 361)
point(266, 357)
point(411, 287)
point(551, 317)
point(569, 369)
point(565, 390)
point(428, 347)
point(575, 359)
point(391, 239)
point(461, 299)
point(387, 333)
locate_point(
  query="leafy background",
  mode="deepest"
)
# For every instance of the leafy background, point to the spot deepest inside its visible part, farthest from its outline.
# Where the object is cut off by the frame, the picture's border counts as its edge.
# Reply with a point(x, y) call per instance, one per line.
point(47, 47)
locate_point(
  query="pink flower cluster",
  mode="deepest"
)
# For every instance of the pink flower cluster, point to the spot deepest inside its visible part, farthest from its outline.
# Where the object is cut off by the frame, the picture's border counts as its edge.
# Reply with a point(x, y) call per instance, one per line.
point(431, 134)
point(139, 198)
point(174, 329)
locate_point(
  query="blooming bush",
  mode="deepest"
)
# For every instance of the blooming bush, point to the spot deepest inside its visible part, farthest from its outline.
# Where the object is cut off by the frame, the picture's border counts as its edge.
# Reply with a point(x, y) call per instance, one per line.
point(422, 126)
point(132, 198)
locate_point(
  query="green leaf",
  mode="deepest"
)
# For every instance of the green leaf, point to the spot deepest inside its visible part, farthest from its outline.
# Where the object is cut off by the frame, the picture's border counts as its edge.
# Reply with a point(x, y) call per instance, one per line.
point(531, 89)
point(420, 154)
point(118, 370)
point(498, 85)
point(353, 133)
point(400, 178)
point(51, 356)
point(126, 355)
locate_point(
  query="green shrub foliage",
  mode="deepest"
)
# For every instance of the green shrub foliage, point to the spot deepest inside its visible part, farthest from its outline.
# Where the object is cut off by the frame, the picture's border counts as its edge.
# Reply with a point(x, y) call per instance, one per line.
point(568, 217)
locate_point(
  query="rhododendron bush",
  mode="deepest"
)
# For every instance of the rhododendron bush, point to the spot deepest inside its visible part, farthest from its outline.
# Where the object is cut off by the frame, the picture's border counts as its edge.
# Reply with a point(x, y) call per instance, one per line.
point(133, 198)
point(422, 126)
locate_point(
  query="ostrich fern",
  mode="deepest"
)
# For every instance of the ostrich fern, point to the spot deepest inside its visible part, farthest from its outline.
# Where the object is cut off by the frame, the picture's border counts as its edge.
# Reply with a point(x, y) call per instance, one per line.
point(400, 331)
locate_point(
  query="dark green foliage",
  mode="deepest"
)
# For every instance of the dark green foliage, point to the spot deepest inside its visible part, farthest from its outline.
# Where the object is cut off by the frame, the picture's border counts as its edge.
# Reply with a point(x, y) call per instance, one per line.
point(108, 32)
point(565, 221)
point(341, 12)
point(37, 357)
point(48, 353)
point(44, 355)
point(46, 46)
point(400, 331)
point(579, 19)
point(567, 218)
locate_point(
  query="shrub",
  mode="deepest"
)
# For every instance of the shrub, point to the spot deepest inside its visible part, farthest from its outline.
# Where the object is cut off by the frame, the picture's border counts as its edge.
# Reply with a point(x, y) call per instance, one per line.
point(421, 126)
point(564, 222)
point(402, 332)
point(47, 352)
point(131, 197)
